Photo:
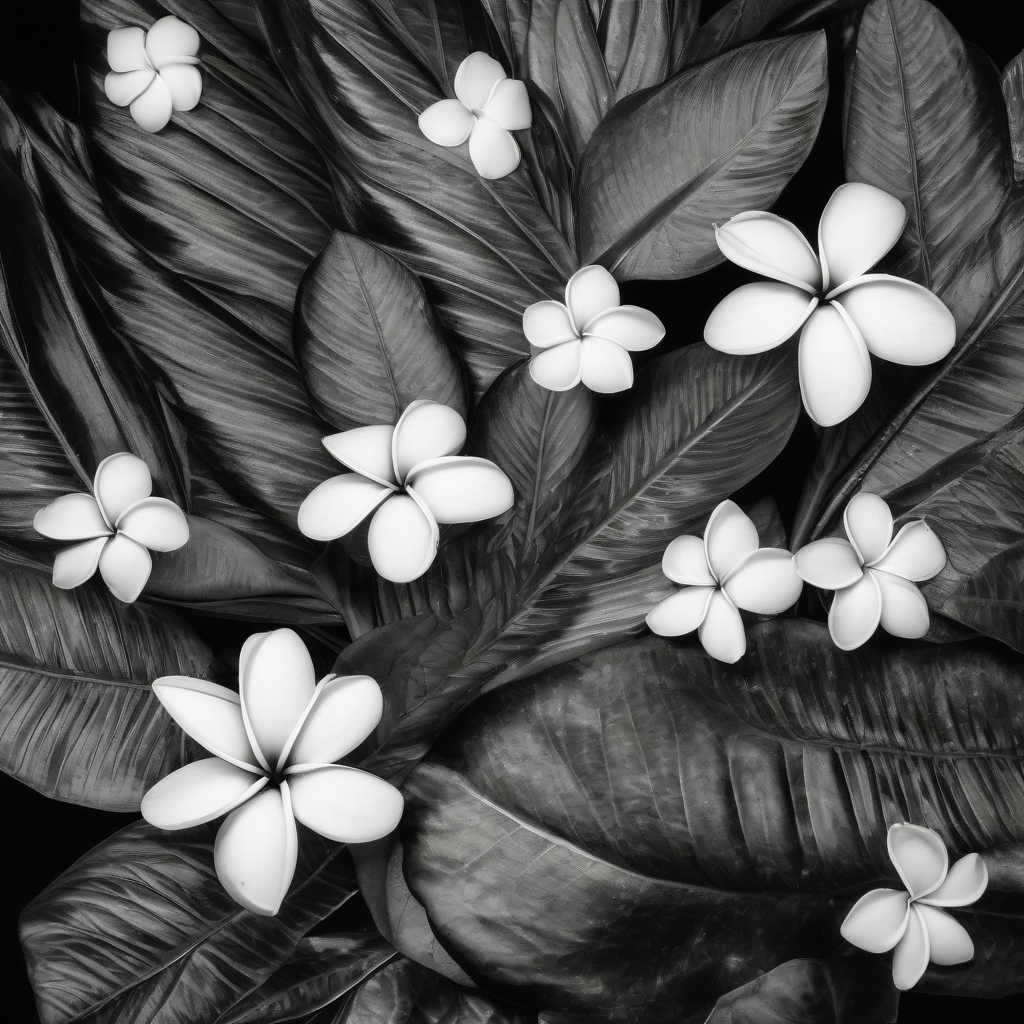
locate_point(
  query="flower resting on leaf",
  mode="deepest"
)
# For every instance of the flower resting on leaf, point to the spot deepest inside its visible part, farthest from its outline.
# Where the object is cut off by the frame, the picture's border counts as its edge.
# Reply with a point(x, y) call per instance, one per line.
point(409, 471)
point(114, 528)
point(911, 921)
point(588, 337)
point(154, 73)
point(844, 312)
point(274, 741)
point(873, 574)
point(720, 574)
point(490, 106)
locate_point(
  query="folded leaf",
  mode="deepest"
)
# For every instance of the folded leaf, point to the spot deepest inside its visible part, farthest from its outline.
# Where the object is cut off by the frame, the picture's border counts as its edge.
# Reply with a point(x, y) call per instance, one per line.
point(1013, 93)
point(584, 87)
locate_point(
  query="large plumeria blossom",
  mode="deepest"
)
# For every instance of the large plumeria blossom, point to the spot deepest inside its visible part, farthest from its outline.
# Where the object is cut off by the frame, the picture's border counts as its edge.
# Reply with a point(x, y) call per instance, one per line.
point(489, 107)
point(912, 922)
point(589, 337)
point(873, 573)
point(842, 312)
point(411, 476)
point(153, 73)
point(274, 743)
point(720, 574)
point(116, 527)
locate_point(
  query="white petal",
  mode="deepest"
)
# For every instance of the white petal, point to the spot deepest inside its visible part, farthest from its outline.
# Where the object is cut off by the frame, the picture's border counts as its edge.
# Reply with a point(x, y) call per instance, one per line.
point(685, 561)
point(604, 366)
point(343, 712)
point(339, 505)
point(153, 108)
point(681, 613)
point(199, 792)
point(426, 430)
point(771, 246)
point(855, 613)
point(509, 105)
point(125, 566)
point(634, 328)
point(345, 804)
point(919, 856)
point(868, 523)
point(476, 78)
point(877, 921)
point(367, 450)
point(122, 88)
point(126, 49)
point(156, 523)
point(721, 632)
point(256, 851)
point(447, 123)
point(492, 149)
point(185, 84)
point(170, 39)
point(559, 368)
point(899, 320)
point(460, 489)
point(831, 564)
point(548, 323)
point(276, 687)
point(910, 959)
point(835, 369)
point(71, 517)
point(590, 291)
point(858, 226)
point(916, 553)
point(904, 609)
point(74, 565)
point(964, 884)
point(729, 537)
point(765, 582)
point(120, 481)
point(403, 539)
point(757, 317)
point(948, 939)
point(210, 714)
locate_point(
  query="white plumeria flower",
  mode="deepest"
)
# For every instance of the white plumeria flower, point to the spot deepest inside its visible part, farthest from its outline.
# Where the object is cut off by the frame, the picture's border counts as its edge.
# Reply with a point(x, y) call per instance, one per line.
point(911, 921)
point(720, 574)
point(844, 312)
point(410, 471)
point(588, 337)
point(874, 573)
point(274, 741)
point(115, 528)
point(490, 106)
point(154, 73)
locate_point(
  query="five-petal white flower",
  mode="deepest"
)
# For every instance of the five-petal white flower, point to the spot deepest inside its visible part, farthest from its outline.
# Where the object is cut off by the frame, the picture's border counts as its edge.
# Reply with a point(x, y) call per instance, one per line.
point(274, 741)
point(844, 312)
point(154, 73)
point(911, 921)
point(490, 106)
point(873, 574)
point(588, 337)
point(720, 574)
point(410, 471)
point(115, 528)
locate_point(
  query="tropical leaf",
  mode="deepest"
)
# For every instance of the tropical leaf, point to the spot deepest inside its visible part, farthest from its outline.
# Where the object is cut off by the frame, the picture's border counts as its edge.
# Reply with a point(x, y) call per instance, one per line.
point(637, 41)
point(1013, 94)
point(584, 87)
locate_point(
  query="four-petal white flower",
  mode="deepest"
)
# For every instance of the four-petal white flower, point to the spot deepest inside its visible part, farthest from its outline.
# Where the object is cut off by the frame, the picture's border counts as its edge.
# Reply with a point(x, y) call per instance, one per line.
point(115, 528)
point(844, 312)
point(490, 106)
point(873, 574)
point(410, 471)
point(154, 73)
point(911, 921)
point(274, 741)
point(720, 574)
point(588, 337)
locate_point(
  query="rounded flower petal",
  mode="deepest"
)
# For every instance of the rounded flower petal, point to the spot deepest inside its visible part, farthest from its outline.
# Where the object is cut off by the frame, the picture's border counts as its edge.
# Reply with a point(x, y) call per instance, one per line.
point(74, 565)
point(447, 123)
point(559, 368)
point(426, 430)
point(367, 450)
point(835, 369)
point(913, 951)
point(950, 944)
point(858, 226)
point(916, 553)
point(461, 489)
point(877, 921)
point(831, 564)
point(685, 561)
point(904, 609)
point(169, 40)
point(199, 792)
point(343, 712)
point(509, 105)
point(681, 613)
point(548, 323)
point(721, 632)
point(126, 50)
point(153, 108)
point(256, 851)
point(771, 246)
point(604, 366)
point(339, 505)
point(476, 78)
point(964, 884)
point(492, 149)
point(185, 84)
point(919, 856)
point(122, 88)
point(402, 539)
point(156, 523)
point(855, 613)
point(757, 317)
point(765, 582)
point(590, 291)
point(345, 804)
point(125, 566)
point(728, 538)
point(120, 481)
point(71, 517)
point(634, 328)
point(868, 523)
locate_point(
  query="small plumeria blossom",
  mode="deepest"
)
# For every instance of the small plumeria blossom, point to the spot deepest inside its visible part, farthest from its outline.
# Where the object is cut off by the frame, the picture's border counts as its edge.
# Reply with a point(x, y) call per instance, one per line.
point(842, 312)
point(912, 922)
point(409, 474)
point(589, 337)
point(153, 73)
point(720, 574)
point(116, 527)
point(873, 573)
point(490, 106)
point(274, 743)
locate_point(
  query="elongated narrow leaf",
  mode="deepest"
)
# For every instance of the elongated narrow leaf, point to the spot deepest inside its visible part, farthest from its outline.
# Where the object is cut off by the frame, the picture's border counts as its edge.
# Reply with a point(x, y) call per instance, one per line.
point(638, 41)
point(584, 87)
point(1013, 93)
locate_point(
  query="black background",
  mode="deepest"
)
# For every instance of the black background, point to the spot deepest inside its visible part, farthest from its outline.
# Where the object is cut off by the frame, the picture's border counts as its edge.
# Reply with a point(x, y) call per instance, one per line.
point(43, 838)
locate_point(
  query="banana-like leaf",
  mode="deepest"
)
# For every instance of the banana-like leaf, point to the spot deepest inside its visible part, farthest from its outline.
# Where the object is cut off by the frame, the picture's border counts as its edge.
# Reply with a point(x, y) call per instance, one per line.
point(1013, 93)
point(637, 41)
point(584, 86)
point(638, 833)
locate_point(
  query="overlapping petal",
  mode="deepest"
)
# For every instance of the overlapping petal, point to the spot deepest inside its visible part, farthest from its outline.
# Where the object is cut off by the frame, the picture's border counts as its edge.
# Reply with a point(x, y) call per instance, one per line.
point(493, 150)
point(152, 109)
point(126, 50)
point(728, 538)
point(765, 582)
point(447, 123)
point(855, 613)
point(426, 430)
point(757, 317)
point(948, 939)
point(830, 563)
point(476, 78)
point(156, 523)
point(904, 609)
point(343, 711)
point(605, 367)
point(590, 291)
point(548, 323)
point(771, 246)
point(966, 881)
point(877, 921)
point(919, 856)
point(721, 633)
point(339, 505)
point(199, 792)
point(170, 40)
point(634, 328)
point(868, 523)
point(71, 517)
point(509, 105)
point(345, 804)
point(125, 566)
point(835, 369)
point(184, 83)
point(75, 565)
point(916, 553)
point(685, 561)
point(402, 539)
point(120, 481)
point(461, 489)
point(123, 88)
point(367, 451)
point(559, 368)
point(681, 613)
point(910, 959)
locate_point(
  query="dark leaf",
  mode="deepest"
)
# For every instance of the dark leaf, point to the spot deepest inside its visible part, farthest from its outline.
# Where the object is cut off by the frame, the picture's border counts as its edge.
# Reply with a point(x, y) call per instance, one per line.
point(1013, 94)
point(584, 87)
point(735, 23)
point(637, 40)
